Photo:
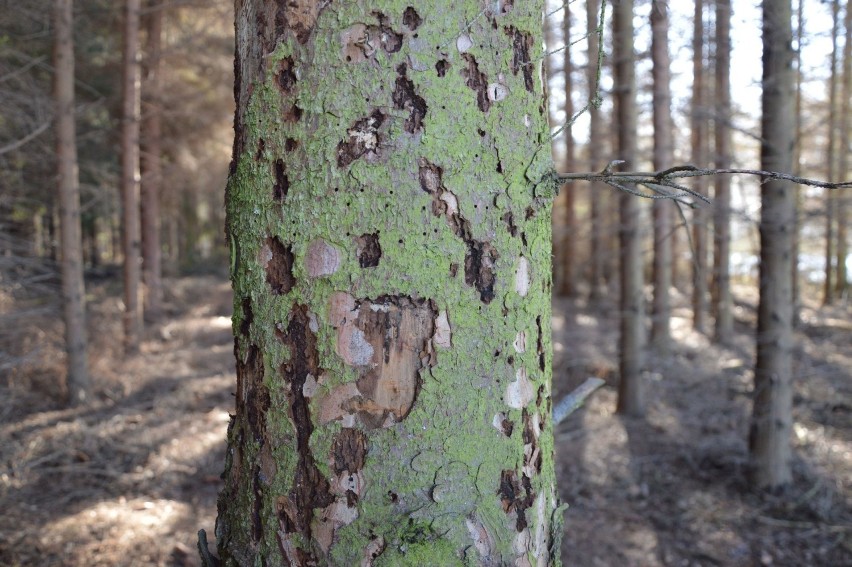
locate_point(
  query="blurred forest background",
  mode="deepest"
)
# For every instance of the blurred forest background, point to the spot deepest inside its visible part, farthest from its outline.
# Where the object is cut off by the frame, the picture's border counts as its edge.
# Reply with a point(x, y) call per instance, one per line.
point(127, 471)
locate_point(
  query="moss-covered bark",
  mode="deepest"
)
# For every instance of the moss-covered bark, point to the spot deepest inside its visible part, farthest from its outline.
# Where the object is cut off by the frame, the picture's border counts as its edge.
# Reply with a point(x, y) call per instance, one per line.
point(388, 213)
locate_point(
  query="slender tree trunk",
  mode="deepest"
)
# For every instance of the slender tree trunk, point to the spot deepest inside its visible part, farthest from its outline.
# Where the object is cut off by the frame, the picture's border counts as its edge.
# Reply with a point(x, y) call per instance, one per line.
point(150, 162)
point(797, 159)
point(771, 425)
point(130, 177)
point(699, 158)
point(843, 165)
point(597, 199)
point(663, 149)
point(71, 241)
point(390, 254)
point(568, 282)
point(831, 161)
point(724, 319)
point(630, 400)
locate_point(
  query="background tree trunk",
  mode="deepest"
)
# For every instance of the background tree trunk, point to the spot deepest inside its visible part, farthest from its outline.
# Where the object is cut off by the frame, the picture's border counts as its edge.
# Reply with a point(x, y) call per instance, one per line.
point(150, 162)
point(71, 241)
point(797, 160)
point(843, 165)
point(130, 177)
point(568, 281)
point(771, 425)
point(831, 161)
point(597, 191)
point(722, 308)
point(391, 273)
point(663, 149)
point(630, 400)
point(699, 158)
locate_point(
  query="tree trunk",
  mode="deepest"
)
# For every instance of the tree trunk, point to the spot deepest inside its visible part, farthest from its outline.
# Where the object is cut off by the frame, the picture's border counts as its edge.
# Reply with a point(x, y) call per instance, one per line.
point(597, 191)
point(568, 281)
point(831, 161)
point(630, 400)
point(390, 254)
point(722, 308)
point(71, 241)
point(771, 425)
point(150, 162)
point(130, 177)
point(699, 158)
point(843, 166)
point(663, 149)
point(797, 161)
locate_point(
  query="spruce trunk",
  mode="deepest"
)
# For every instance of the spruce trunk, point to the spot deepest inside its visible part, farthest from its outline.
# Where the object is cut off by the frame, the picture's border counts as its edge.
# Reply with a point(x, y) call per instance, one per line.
point(389, 223)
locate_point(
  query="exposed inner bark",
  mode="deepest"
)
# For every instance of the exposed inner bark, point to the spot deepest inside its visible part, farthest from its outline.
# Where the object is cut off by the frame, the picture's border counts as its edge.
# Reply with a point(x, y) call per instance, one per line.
point(516, 496)
point(411, 19)
point(479, 268)
point(310, 487)
point(286, 76)
point(282, 182)
point(362, 139)
point(368, 250)
point(405, 98)
point(521, 45)
point(248, 317)
point(477, 81)
point(441, 67)
point(279, 266)
point(349, 451)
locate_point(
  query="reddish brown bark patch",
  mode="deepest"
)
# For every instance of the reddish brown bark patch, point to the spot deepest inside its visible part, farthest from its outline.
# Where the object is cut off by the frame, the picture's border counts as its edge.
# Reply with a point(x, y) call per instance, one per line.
point(282, 182)
point(286, 76)
point(248, 317)
point(292, 114)
point(368, 250)
point(279, 266)
point(521, 45)
point(310, 487)
point(300, 16)
point(516, 496)
point(362, 139)
point(405, 98)
point(476, 81)
point(441, 67)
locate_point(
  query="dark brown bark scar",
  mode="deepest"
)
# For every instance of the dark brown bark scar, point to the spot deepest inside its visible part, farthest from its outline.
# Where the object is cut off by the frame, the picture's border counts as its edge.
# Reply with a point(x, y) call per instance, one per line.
point(479, 268)
point(512, 499)
point(349, 451)
point(405, 98)
point(368, 250)
point(391, 40)
point(310, 487)
point(411, 19)
point(299, 16)
point(476, 81)
point(261, 148)
point(279, 267)
point(441, 67)
point(293, 114)
point(521, 45)
point(509, 219)
point(286, 76)
point(248, 317)
point(282, 182)
point(539, 344)
point(362, 139)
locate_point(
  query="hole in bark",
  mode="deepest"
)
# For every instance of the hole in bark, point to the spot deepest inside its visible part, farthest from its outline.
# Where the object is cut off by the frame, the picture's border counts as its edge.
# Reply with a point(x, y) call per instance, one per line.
point(286, 76)
point(411, 19)
point(279, 266)
point(282, 182)
point(368, 250)
point(362, 139)
point(442, 67)
point(521, 45)
point(405, 98)
point(479, 268)
point(499, 166)
point(393, 496)
point(290, 144)
point(476, 81)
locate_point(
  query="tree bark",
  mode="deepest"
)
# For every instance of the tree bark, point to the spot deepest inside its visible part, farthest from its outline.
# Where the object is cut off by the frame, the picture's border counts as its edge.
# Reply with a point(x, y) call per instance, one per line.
point(663, 149)
point(568, 281)
point(831, 161)
point(699, 158)
point(771, 424)
point(842, 280)
point(597, 191)
point(630, 400)
point(797, 161)
point(722, 308)
point(130, 177)
point(71, 241)
point(151, 168)
point(390, 254)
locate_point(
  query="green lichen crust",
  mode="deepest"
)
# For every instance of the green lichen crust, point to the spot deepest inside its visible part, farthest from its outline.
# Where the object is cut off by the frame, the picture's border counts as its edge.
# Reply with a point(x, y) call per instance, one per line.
point(389, 228)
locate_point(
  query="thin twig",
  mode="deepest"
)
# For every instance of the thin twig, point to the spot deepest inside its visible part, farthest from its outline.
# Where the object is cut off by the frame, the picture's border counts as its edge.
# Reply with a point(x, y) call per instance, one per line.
point(570, 403)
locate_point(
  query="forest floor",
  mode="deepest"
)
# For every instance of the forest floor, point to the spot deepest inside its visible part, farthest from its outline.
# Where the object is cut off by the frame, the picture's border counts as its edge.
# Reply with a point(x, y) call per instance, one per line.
point(129, 480)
